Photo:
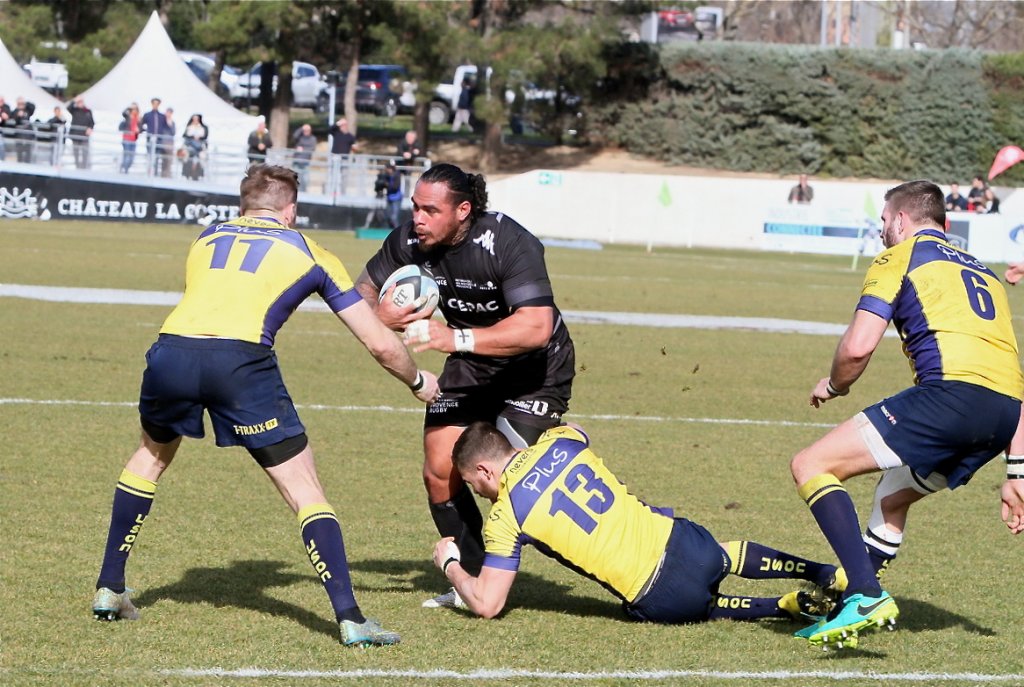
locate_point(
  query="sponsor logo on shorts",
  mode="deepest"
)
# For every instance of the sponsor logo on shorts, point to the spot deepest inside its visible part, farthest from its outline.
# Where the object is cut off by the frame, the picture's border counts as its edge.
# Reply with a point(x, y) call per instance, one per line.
point(259, 428)
point(888, 415)
point(538, 408)
point(442, 405)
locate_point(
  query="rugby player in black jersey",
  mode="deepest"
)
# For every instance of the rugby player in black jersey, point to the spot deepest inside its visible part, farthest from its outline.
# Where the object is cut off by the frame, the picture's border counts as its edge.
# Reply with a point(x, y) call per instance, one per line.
point(511, 361)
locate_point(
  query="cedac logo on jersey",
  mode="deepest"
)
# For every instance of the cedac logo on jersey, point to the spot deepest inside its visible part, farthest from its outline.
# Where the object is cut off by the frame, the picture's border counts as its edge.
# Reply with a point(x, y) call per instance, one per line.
point(467, 306)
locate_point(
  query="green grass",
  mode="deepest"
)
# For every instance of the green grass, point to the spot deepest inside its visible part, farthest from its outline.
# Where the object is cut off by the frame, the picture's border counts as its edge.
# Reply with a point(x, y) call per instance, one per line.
point(220, 572)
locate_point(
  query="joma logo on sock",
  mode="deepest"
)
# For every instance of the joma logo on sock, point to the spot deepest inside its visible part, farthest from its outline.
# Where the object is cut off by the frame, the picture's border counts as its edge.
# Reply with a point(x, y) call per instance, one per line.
point(259, 428)
point(314, 558)
point(776, 565)
point(132, 535)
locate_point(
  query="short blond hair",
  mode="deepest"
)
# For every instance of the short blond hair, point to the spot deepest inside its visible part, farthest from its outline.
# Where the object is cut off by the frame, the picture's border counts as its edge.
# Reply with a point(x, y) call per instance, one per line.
point(268, 187)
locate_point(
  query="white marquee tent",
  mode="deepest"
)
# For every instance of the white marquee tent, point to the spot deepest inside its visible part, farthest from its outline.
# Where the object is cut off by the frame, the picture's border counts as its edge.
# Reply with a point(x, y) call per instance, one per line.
point(14, 82)
point(152, 69)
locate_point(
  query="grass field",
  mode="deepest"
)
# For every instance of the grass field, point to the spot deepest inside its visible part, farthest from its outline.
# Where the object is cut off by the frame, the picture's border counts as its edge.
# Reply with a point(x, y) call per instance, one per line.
point(702, 420)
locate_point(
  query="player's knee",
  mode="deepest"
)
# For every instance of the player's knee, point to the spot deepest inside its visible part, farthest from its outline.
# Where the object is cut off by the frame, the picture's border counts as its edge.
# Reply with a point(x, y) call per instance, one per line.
point(801, 466)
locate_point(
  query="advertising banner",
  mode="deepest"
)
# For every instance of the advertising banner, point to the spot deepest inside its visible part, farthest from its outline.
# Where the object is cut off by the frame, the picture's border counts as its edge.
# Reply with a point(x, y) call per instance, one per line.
point(62, 198)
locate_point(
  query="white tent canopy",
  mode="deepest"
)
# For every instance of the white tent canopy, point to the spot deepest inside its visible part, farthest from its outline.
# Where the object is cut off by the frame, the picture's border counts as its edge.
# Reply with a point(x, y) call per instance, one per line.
point(152, 69)
point(14, 83)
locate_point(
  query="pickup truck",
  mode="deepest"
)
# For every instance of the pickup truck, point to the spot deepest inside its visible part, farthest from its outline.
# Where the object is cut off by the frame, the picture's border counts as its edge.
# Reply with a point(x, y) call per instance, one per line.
point(446, 95)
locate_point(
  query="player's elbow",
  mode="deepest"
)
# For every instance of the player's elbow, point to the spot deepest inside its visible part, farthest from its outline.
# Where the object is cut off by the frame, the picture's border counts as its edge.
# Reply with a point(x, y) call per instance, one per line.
point(856, 351)
point(490, 609)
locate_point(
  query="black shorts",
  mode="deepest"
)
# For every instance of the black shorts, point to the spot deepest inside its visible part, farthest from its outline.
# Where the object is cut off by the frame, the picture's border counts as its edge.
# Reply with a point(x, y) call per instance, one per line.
point(532, 390)
point(237, 382)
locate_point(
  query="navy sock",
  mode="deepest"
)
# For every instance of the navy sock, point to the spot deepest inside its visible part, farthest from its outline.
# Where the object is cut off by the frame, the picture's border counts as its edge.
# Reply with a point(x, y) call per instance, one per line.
point(321, 535)
point(833, 509)
point(757, 561)
point(745, 608)
point(133, 498)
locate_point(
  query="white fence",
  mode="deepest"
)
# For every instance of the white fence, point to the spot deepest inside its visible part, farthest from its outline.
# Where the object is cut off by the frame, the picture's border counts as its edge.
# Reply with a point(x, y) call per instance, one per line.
point(322, 174)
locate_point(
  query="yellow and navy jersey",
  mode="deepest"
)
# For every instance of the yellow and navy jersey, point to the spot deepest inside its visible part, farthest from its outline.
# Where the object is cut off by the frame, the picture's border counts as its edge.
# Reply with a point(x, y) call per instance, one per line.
point(559, 497)
point(950, 310)
point(244, 278)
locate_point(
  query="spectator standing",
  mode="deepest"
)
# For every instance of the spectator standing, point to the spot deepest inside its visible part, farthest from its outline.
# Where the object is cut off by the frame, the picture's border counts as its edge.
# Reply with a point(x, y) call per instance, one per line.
point(6, 130)
point(409, 148)
point(194, 139)
point(976, 196)
point(259, 142)
point(166, 143)
point(393, 193)
point(82, 124)
point(305, 145)
point(954, 201)
point(802, 193)
point(343, 144)
point(131, 127)
point(21, 115)
point(408, 151)
point(464, 109)
point(51, 136)
point(991, 205)
point(154, 123)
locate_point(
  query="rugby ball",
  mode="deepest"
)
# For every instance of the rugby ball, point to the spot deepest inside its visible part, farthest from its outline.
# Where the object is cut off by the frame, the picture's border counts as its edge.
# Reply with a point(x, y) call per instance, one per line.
point(411, 282)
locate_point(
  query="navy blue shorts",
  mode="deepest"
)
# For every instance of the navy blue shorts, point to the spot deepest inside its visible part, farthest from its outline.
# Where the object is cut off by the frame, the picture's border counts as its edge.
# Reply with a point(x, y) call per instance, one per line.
point(687, 585)
point(237, 382)
point(952, 428)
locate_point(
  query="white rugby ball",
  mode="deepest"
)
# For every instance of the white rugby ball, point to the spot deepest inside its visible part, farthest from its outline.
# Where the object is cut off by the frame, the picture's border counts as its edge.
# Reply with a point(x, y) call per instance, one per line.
point(411, 282)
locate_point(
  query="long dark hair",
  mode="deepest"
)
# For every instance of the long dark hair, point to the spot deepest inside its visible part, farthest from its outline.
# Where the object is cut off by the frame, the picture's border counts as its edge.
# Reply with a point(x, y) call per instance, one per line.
point(461, 187)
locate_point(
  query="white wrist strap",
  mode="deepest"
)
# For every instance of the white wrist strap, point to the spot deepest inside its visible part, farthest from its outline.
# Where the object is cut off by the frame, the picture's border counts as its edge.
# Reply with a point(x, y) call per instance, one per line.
point(1014, 467)
point(464, 341)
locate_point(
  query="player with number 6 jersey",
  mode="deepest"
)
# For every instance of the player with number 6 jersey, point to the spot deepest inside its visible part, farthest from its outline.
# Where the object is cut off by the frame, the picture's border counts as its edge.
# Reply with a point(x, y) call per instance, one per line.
point(952, 314)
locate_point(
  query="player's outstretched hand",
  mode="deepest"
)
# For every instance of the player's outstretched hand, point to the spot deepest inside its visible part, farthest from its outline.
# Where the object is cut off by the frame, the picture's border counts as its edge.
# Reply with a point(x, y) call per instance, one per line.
point(1013, 504)
point(429, 392)
point(820, 393)
point(1014, 272)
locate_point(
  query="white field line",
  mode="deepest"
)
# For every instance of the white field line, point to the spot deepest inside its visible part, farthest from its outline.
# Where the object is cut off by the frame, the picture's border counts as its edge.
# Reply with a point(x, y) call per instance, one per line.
point(419, 411)
point(170, 298)
point(651, 675)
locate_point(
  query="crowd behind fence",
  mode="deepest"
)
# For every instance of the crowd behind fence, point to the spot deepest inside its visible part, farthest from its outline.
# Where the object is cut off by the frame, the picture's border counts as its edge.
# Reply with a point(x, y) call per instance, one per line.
point(323, 174)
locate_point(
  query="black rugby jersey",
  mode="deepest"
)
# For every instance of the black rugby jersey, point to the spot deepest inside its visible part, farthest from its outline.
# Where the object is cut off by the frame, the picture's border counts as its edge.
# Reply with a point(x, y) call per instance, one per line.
point(496, 269)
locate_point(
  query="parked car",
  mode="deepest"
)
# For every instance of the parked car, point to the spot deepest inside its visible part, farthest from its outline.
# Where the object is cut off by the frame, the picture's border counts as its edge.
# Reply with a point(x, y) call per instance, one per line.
point(383, 89)
point(201, 64)
point(50, 76)
point(307, 85)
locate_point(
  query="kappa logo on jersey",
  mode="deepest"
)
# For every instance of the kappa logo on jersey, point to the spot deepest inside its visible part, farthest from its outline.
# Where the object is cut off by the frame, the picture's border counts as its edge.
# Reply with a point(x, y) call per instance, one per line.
point(486, 241)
